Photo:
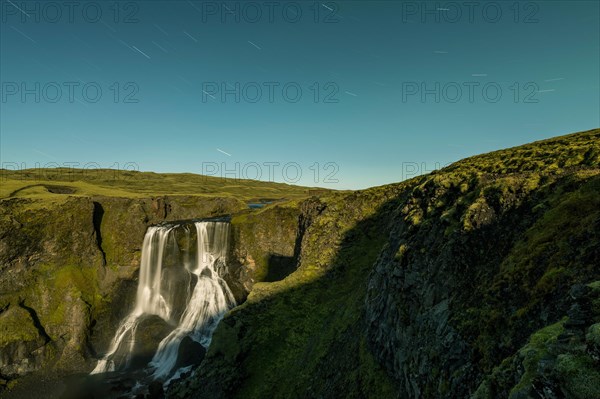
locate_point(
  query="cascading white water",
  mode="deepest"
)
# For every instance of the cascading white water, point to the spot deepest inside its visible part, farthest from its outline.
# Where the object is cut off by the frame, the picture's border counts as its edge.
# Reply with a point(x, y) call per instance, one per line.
point(160, 291)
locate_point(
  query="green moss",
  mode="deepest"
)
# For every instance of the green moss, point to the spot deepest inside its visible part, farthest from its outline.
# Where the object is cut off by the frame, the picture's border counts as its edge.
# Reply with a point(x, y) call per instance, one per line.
point(595, 286)
point(537, 349)
point(558, 153)
point(593, 335)
point(62, 296)
point(501, 375)
point(478, 214)
point(580, 376)
point(551, 278)
point(400, 252)
point(16, 326)
point(227, 341)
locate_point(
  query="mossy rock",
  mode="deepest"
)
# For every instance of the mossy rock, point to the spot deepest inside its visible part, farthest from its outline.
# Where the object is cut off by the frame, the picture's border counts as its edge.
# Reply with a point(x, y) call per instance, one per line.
point(22, 343)
point(579, 374)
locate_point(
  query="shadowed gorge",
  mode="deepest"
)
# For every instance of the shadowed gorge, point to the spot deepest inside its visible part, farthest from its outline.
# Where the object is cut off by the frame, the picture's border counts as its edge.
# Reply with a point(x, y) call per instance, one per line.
point(479, 280)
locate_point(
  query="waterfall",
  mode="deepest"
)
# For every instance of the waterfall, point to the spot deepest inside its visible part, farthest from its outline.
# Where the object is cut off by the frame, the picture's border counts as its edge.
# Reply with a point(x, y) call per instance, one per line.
point(186, 291)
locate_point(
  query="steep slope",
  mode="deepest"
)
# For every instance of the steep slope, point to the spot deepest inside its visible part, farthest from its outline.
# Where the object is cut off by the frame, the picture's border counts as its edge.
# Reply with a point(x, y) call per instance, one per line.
point(480, 280)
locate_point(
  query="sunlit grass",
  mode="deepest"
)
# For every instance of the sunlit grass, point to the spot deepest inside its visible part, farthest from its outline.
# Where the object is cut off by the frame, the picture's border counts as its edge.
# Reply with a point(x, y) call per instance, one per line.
point(37, 183)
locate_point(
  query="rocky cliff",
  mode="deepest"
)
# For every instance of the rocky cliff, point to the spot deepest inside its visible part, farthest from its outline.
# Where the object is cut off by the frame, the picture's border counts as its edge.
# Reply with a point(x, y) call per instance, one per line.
point(479, 280)
point(68, 270)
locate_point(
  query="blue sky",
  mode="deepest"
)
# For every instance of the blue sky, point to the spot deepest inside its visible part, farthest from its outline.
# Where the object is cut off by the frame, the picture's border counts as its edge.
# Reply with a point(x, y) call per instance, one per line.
point(352, 94)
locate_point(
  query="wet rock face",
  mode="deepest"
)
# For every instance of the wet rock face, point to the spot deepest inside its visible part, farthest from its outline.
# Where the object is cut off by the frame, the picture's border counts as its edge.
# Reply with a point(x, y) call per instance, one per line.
point(149, 333)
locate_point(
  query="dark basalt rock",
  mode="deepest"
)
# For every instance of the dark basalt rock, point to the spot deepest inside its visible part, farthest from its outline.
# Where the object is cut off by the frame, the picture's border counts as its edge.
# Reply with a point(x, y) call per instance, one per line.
point(191, 353)
point(151, 330)
point(155, 391)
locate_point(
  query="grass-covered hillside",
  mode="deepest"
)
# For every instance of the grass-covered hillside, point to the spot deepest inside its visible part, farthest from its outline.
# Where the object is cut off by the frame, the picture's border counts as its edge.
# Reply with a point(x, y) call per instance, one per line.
point(479, 280)
point(52, 183)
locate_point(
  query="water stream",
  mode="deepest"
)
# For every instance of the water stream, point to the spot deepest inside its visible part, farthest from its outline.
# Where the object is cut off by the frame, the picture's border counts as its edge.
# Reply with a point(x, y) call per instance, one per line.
point(181, 282)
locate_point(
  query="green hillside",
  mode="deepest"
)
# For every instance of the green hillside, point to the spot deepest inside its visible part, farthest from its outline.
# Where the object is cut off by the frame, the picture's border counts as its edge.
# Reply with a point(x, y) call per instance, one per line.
point(54, 183)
